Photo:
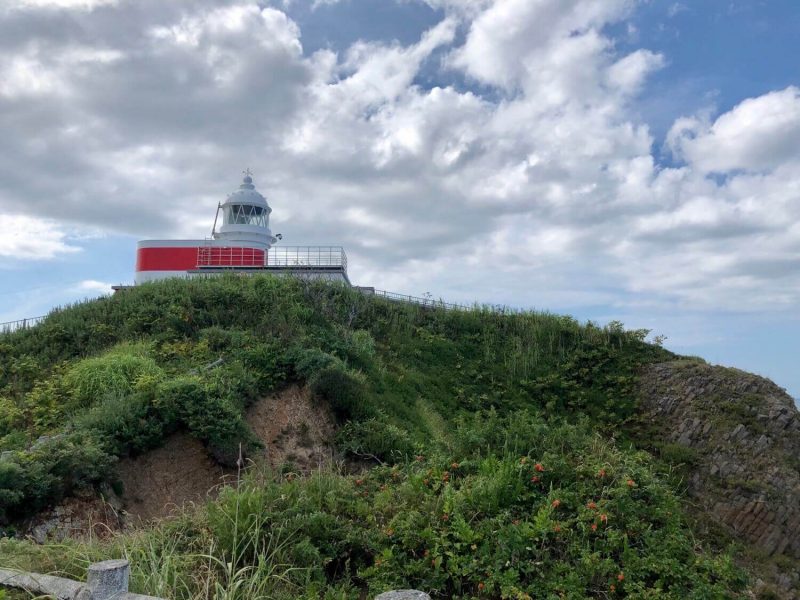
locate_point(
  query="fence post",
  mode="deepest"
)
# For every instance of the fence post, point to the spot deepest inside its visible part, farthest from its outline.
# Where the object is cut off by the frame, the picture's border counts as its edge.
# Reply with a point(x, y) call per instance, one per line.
point(403, 595)
point(108, 579)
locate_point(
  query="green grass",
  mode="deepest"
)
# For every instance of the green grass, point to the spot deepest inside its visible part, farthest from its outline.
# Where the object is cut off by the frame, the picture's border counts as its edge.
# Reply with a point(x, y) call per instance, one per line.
point(454, 409)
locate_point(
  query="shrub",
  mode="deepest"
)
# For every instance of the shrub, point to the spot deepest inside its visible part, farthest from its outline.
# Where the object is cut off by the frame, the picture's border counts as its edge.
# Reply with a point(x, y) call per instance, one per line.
point(310, 361)
point(126, 424)
point(344, 392)
point(375, 438)
point(112, 374)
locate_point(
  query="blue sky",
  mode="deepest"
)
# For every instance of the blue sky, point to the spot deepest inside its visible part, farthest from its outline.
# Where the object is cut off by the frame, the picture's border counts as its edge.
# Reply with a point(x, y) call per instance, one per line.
point(611, 160)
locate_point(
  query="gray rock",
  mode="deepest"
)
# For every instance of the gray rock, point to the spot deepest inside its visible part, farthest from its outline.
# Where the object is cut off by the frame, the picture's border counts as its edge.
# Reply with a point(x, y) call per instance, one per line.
point(403, 595)
point(108, 579)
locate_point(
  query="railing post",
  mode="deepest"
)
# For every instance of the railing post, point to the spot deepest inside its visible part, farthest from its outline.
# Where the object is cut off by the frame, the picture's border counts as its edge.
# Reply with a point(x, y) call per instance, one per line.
point(108, 579)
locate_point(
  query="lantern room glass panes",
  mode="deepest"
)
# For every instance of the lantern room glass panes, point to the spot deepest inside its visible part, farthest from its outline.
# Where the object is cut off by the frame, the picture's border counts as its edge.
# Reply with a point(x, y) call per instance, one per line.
point(244, 214)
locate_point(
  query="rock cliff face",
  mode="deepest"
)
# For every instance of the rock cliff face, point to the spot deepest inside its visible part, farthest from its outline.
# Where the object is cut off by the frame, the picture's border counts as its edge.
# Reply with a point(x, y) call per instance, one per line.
point(740, 436)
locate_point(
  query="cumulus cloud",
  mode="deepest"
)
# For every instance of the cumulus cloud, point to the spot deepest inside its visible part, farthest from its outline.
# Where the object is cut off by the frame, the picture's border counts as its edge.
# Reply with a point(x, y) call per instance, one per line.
point(532, 182)
point(29, 238)
point(759, 134)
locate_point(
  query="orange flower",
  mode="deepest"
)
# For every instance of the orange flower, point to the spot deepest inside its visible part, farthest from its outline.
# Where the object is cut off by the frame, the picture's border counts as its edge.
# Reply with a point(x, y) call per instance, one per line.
point(594, 526)
point(539, 467)
point(535, 479)
point(557, 528)
point(556, 503)
point(613, 588)
point(359, 481)
point(631, 482)
point(601, 473)
point(621, 577)
point(591, 506)
point(604, 518)
point(454, 466)
point(446, 476)
point(481, 586)
point(445, 517)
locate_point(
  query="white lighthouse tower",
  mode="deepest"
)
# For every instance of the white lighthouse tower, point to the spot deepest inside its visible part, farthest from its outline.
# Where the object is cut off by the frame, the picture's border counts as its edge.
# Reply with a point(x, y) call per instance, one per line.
point(243, 243)
point(245, 217)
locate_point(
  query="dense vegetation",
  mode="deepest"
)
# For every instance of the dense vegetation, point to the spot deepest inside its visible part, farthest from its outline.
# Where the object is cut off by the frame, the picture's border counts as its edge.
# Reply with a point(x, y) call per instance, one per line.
point(497, 474)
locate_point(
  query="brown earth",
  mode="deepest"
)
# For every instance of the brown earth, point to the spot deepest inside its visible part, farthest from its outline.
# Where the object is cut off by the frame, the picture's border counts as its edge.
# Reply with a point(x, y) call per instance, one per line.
point(739, 435)
point(296, 431)
point(163, 481)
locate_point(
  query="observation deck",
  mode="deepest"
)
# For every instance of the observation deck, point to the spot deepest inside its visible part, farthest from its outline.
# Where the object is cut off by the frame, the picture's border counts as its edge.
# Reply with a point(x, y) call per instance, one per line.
point(309, 262)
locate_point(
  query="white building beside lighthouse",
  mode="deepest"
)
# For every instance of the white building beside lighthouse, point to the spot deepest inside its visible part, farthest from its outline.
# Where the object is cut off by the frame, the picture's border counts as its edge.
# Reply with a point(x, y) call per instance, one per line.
point(242, 242)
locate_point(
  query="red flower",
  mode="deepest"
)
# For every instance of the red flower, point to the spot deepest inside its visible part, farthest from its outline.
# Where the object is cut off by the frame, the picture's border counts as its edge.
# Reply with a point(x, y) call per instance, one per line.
point(539, 467)
point(601, 473)
point(481, 586)
point(535, 479)
point(591, 506)
point(557, 528)
point(621, 577)
point(604, 518)
point(445, 517)
point(631, 483)
point(594, 526)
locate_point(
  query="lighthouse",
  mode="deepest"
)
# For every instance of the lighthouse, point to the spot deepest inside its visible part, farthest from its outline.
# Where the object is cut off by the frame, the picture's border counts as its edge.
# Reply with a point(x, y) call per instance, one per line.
point(241, 241)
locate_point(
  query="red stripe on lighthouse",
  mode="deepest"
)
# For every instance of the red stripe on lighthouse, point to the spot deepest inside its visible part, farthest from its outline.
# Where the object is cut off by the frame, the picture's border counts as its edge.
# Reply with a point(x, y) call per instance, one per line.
point(178, 258)
point(166, 259)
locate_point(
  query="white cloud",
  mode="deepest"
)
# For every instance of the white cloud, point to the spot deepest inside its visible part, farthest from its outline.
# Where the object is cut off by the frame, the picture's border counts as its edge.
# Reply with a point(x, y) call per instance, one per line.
point(70, 4)
point(538, 186)
point(28, 238)
point(758, 134)
point(93, 286)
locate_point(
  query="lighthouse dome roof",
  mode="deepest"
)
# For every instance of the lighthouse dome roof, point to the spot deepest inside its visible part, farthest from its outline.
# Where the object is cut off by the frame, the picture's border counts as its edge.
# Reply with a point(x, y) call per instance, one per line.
point(247, 194)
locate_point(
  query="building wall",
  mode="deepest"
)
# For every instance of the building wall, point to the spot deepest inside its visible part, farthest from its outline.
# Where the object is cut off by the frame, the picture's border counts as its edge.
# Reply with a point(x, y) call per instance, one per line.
point(161, 259)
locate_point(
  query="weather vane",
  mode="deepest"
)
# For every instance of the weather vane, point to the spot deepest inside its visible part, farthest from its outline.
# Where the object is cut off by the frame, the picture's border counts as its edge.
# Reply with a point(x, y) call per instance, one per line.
point(247, 173)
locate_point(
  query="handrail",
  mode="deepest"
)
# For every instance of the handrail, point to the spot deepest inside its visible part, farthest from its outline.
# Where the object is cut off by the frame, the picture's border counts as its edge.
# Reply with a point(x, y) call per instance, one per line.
point(10, 326)
point(307, 256)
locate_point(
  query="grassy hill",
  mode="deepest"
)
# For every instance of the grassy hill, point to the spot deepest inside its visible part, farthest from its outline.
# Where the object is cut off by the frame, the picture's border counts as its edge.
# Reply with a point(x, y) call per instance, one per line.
point(500, 458)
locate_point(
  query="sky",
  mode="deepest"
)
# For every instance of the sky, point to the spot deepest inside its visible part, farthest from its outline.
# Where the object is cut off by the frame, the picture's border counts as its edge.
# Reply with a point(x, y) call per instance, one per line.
point(609, 159)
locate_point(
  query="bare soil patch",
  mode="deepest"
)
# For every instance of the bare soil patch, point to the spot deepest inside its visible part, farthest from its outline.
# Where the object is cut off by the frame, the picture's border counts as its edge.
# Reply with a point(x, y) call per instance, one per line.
point(296, 431)
point(163, 481)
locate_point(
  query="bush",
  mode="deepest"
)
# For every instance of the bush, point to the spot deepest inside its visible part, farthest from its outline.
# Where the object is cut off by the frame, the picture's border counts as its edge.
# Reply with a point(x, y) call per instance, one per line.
point(112, 374)
point(42, 476)
point(310, 361)
point(344, 392)
point(375, 438)
point(126, 424)
point(209, 415)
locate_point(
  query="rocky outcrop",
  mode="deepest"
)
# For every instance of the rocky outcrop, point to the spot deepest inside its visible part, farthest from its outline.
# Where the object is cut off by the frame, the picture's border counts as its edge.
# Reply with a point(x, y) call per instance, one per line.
point(740, 434)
